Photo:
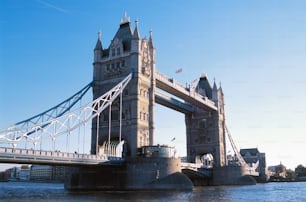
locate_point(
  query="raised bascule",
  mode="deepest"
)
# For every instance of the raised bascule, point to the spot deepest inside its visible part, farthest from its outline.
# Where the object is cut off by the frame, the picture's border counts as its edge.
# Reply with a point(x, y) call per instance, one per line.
point(126, 86)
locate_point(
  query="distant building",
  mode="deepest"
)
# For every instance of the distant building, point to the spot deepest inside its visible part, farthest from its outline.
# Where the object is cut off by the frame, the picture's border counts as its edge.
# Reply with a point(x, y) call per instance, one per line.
point(20, 173)
point(278, 171)
point(4, 175)
point(251, 156)
point(47, 173)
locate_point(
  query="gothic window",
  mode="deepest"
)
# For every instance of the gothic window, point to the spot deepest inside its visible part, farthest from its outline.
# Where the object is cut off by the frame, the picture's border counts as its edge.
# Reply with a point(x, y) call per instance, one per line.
point(144, 116)
point(122, 63)
point(113, 52)
point(113, 66)
point(118, 51)
point(203, 124)
point(108, 67)
point(118, 65)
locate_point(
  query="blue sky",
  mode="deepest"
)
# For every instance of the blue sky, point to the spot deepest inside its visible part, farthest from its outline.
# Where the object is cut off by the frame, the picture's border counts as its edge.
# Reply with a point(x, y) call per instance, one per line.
point(256, 49)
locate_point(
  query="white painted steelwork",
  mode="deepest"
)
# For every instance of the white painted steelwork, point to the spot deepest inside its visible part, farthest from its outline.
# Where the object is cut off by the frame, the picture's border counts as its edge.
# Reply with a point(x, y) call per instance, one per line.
point(64, 124)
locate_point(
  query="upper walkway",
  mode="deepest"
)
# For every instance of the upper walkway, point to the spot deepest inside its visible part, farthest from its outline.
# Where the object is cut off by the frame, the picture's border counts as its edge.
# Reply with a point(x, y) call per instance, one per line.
point(188, 94)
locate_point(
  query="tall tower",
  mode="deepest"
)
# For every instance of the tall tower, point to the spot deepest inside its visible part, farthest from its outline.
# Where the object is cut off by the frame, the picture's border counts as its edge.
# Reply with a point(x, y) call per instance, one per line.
point(205, 130)
point(127, 53)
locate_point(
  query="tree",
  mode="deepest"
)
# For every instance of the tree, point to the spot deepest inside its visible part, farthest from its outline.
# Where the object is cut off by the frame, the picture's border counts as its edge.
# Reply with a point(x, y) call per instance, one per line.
point(290, 174)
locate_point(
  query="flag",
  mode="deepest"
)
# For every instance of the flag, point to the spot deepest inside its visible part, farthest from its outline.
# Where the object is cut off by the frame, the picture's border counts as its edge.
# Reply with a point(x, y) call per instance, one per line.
point(179, 70)
point(193, 81)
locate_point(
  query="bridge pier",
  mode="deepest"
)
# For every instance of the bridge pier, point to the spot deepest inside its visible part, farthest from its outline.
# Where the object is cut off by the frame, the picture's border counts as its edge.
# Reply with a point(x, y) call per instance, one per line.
point(231, 175)
point(138, 173)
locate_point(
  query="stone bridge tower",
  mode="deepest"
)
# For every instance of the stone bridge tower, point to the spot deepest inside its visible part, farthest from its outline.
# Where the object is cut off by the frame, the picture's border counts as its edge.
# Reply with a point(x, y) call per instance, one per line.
point(205, 130)
point(127, 53)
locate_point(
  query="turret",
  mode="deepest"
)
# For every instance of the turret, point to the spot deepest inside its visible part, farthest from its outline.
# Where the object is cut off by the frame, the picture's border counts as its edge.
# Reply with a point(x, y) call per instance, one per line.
point(151, 44)
point(136, 39)
point(215, 92)
point(98, 51)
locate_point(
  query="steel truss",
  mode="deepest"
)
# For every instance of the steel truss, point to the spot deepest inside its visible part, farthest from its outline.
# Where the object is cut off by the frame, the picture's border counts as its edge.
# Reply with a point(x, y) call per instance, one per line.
point(49, 114)
point(56, 121)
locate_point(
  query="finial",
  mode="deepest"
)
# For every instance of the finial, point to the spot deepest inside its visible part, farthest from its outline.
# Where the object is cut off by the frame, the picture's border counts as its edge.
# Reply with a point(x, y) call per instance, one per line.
point(220, 84)
point(214, 79)
point(136, 22)
point(151, 32)
point(203, 75)
point(125, 18)
point(99, 34)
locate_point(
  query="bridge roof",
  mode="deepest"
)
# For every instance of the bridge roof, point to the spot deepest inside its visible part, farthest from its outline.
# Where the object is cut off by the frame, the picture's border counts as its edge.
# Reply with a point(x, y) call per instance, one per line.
point(204, 84)
point(125, 33)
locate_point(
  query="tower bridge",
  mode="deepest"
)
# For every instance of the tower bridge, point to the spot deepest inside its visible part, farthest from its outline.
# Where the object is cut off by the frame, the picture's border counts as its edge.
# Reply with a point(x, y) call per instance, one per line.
point(126, 87)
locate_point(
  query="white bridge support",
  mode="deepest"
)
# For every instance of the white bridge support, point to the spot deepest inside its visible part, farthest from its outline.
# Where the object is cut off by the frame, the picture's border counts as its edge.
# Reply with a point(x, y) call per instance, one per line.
point(112, 148)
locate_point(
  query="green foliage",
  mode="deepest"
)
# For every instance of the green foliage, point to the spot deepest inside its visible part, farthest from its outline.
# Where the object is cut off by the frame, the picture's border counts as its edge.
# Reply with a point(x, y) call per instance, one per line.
point(290, 174)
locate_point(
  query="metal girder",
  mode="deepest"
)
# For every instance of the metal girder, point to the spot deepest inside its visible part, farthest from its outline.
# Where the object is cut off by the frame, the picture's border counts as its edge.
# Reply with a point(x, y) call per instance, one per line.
point(47, 115)
point(64, 123)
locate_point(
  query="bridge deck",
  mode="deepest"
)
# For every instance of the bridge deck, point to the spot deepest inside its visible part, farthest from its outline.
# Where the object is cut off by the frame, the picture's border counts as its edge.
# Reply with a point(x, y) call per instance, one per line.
point(27, 156)
point(187, 94)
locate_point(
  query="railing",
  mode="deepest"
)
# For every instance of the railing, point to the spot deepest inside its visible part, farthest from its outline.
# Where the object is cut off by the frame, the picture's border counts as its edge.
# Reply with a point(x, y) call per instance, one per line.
point(50, 157)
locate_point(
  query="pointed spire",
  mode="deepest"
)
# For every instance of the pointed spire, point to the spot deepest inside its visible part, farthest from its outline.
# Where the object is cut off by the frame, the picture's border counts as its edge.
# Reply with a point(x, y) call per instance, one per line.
point(151, 44)
point(220, 88)
point(215, 86)
point(215, 92)
point(136, 34)
point(99, 43)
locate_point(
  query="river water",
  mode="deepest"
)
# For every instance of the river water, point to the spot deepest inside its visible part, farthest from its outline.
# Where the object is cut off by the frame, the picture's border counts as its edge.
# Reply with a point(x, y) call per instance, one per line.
point(25, 191)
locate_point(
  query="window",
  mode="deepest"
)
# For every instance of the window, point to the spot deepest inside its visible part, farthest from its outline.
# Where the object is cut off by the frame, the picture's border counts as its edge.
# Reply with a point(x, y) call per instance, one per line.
point(118, 65)
point(122, 63)
point(118, 51)
point(113, 52)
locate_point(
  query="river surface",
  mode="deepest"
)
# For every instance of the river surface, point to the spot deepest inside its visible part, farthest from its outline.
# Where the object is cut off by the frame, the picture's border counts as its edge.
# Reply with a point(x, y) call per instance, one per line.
point(29, 191)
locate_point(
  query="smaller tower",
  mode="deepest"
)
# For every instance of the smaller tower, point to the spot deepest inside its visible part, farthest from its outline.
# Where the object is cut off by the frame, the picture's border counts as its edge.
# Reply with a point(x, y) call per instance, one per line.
point(215, 92)
point(98, 51)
